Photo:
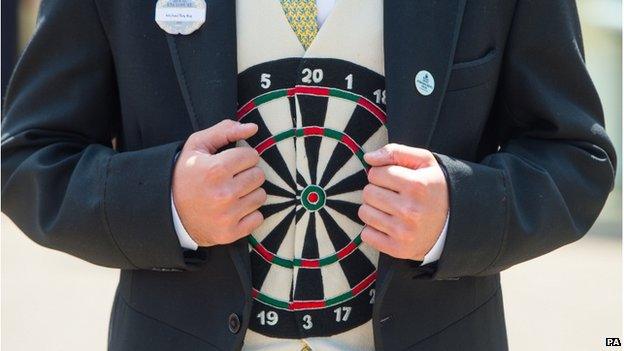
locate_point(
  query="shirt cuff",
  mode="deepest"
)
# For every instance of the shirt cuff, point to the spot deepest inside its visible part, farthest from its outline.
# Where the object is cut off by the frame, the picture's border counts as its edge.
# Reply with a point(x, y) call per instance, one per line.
point(436, 251)
point(183, 236)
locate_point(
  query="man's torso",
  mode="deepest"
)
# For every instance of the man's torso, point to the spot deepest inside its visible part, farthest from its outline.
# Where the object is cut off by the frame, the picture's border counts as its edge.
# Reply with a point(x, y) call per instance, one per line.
point(157, 106)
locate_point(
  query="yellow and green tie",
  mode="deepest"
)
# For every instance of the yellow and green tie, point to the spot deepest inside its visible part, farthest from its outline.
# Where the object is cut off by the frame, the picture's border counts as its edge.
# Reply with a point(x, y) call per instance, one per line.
point(301, 15)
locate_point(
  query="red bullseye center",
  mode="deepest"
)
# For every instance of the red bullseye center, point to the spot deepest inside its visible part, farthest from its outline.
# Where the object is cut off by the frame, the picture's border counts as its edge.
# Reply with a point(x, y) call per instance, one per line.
point(313, 197)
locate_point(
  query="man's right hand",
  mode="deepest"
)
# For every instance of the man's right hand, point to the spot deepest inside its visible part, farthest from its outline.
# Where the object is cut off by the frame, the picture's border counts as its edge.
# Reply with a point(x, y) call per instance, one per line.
point(217, 194)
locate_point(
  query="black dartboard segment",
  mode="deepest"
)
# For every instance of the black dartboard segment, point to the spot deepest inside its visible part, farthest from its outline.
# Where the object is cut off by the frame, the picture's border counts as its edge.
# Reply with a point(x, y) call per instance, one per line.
point(311, 273)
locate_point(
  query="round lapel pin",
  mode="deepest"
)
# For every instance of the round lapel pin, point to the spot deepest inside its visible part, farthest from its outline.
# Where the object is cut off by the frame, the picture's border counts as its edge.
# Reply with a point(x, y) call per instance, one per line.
point(180, 16)
point(425, 84)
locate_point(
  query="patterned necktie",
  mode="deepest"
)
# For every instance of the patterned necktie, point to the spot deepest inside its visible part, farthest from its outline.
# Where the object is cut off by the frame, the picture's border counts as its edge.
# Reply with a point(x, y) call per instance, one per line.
point(301, 15)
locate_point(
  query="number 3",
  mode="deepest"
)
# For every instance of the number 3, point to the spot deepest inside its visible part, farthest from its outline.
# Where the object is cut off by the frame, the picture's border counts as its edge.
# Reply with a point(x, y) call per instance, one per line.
point(308, 322)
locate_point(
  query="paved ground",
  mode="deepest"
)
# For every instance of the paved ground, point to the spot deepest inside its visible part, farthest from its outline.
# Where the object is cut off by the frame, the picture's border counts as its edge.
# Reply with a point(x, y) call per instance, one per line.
point(569, 300)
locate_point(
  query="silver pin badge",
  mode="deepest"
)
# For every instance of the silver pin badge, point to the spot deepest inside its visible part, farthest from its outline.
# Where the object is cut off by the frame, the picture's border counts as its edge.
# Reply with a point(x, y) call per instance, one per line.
point(180, 16)
point(425, 84)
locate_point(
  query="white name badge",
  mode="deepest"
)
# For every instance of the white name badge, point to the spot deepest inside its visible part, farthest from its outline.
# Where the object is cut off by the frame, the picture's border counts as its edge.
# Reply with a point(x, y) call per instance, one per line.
point(180, 16)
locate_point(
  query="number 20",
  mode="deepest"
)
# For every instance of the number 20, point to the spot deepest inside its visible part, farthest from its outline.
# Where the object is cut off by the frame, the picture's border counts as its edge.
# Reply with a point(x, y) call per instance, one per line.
point(310, 75)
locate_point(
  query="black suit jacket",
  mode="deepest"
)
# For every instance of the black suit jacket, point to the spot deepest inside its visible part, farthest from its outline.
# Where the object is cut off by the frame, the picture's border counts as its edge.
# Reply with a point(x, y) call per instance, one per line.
point(102, 100)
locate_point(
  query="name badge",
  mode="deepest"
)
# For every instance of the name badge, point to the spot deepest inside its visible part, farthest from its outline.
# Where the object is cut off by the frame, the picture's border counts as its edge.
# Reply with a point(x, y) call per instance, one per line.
point(180, 16)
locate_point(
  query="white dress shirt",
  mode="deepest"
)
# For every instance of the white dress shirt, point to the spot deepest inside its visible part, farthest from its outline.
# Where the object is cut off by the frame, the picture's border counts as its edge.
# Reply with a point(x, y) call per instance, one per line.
point(324, 9)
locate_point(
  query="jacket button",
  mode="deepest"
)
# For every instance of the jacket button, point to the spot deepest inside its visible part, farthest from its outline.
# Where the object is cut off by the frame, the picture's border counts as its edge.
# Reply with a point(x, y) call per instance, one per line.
point(234, 323)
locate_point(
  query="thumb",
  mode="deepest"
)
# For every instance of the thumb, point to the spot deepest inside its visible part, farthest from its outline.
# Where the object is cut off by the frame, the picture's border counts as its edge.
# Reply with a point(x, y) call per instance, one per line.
point(400, 155)
point(222, 134)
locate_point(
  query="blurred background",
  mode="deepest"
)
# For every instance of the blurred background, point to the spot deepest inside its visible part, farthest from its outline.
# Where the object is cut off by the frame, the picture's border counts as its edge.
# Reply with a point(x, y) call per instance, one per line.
point(568, 300)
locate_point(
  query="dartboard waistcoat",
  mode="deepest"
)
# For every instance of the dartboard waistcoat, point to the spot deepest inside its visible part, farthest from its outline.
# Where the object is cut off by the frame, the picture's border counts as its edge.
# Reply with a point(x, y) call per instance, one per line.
point(318, 111)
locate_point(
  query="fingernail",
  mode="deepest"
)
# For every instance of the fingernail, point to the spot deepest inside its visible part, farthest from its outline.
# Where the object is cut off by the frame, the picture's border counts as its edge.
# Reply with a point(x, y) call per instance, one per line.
point(374, 154)
point(247, 126)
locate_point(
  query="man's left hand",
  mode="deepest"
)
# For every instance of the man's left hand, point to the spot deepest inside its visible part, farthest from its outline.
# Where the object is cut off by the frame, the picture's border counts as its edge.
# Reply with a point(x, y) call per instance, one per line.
point(405, 203)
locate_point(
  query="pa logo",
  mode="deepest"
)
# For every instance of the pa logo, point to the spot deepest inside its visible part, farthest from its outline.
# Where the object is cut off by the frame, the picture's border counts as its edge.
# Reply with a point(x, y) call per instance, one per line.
point(613, 342)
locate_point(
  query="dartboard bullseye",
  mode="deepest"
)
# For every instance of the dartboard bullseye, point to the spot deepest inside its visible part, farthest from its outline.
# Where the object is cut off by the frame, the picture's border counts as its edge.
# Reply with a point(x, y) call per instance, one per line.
point(311, 273)
point(313, 198)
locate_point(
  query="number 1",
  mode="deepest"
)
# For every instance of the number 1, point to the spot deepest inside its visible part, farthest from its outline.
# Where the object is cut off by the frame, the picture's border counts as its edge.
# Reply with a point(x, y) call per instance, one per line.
point(349, 80)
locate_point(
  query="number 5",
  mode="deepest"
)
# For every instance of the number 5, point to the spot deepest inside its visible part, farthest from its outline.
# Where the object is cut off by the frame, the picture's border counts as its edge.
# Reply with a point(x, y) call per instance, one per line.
point(265, 80)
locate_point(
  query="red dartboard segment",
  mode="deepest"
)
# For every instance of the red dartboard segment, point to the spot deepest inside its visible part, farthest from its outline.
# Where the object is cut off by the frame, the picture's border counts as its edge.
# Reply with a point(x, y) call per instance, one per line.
point(243, 111)
point(347, 250)
point(305, 305)
point(310, 131)
point(308, 90)
point(372, 108)
point(264, 253)
point(350, 143)
point(308, 263)
point(265, 144)
point(361, 286)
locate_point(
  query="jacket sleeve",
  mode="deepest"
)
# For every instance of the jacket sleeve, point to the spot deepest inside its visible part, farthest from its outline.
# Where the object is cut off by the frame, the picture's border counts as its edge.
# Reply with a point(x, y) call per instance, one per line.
point(63, 184)
point(555, 165)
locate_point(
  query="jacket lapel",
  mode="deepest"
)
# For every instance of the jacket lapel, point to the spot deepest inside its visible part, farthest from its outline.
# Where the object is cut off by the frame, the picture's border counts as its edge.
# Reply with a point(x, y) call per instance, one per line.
point(418, 35)
point(205, 65)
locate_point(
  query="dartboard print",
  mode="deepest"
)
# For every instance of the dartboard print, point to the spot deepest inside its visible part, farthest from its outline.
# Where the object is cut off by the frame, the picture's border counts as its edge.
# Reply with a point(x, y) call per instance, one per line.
point(311, 273)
